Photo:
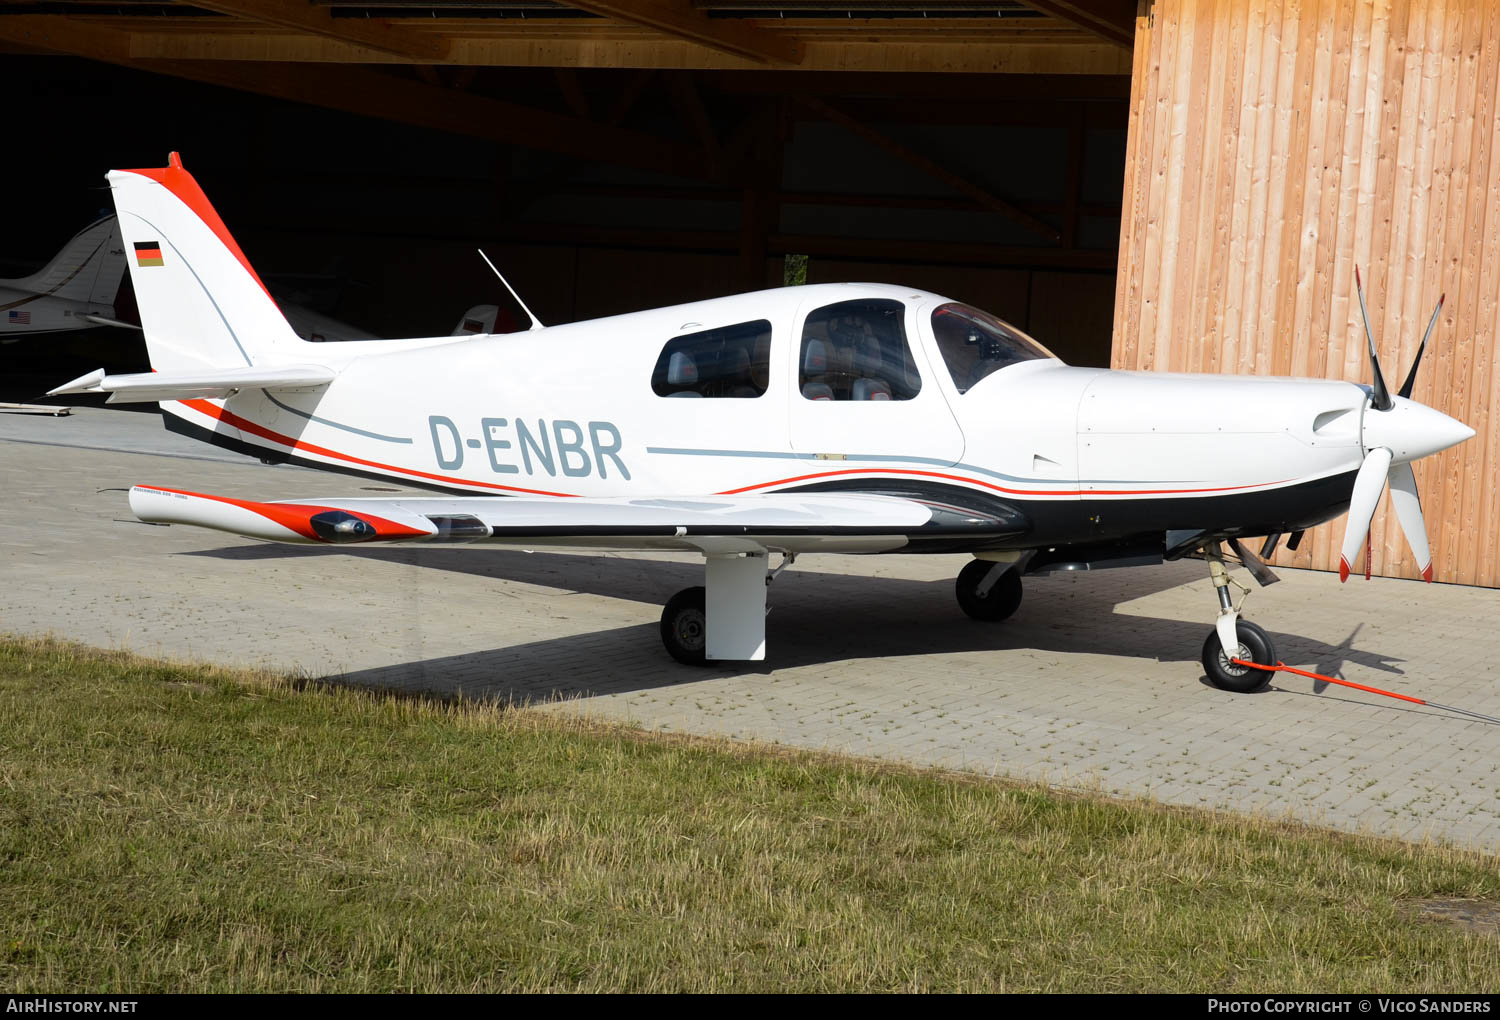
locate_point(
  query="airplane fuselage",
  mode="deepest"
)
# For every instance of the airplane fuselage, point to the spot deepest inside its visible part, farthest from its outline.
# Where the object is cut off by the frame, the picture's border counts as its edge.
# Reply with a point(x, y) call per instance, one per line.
point(23, 311)
point(1086, 454)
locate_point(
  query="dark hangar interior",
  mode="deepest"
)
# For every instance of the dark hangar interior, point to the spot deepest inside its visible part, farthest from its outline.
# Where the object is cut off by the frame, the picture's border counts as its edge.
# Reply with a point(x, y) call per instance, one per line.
point(609, 156)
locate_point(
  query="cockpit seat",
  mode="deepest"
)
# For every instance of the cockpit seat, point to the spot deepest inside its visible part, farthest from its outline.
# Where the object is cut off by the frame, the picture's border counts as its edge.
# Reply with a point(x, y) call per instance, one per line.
point(815, 364)
point(682, 370)
point(814, 357)
point(736, 378)
point(871, 389)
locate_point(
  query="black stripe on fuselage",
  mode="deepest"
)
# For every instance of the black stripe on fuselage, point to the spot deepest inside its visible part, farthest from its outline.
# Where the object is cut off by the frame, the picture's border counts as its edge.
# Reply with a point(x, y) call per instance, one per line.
point(1285, 509)
point(183, 427)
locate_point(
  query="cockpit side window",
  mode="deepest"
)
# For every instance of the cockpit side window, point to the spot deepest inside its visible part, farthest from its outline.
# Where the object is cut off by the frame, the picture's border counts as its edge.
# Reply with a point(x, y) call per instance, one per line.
point(731, 361)
point(857, 350)
point(975, 343)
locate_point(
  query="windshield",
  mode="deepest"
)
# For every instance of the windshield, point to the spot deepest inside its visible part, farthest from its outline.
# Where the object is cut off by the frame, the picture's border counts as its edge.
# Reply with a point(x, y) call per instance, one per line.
point(975, 343)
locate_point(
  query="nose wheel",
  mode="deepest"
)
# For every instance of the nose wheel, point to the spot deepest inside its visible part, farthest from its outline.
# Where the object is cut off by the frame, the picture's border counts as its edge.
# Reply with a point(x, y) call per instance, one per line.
point(1254, 646)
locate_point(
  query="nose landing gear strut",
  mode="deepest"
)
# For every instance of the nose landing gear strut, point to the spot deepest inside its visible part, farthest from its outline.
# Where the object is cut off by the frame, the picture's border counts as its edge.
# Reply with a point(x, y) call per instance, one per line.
point(1233, 638)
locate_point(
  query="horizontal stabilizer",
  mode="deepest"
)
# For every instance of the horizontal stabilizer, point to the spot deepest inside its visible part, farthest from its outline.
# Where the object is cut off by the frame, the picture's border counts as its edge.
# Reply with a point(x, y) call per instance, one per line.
point(149, 387)
point(104, 320)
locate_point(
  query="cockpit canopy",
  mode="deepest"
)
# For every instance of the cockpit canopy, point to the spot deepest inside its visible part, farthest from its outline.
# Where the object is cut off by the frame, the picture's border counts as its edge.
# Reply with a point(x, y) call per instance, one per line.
point(859, 349)
point(975, 343)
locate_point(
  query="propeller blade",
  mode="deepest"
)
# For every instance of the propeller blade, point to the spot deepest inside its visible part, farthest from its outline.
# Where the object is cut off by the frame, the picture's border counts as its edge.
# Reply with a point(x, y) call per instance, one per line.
point(1409, 512)
point(1381, 400)
point(1411, 377)
point(1368, 485)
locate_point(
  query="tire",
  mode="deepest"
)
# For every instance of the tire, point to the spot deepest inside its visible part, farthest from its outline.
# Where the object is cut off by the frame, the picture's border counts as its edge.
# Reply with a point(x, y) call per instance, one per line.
point(684, 627)
point(1239, 679)
point(999, 603)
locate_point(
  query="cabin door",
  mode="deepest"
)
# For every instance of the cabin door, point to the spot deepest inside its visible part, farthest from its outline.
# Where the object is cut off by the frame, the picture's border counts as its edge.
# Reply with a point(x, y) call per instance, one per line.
point(863, 394)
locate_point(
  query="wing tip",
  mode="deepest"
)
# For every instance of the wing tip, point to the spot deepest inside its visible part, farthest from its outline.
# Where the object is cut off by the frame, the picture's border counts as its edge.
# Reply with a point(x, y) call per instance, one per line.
point(311, 522)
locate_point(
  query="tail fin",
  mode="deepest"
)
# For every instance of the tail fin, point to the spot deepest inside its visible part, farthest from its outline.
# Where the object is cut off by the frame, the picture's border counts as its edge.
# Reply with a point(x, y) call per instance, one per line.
point(202, 305)
point(87, 269)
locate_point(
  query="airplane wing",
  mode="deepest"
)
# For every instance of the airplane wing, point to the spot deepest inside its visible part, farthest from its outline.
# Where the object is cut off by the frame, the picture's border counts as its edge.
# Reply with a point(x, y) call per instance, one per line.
point(789, 521)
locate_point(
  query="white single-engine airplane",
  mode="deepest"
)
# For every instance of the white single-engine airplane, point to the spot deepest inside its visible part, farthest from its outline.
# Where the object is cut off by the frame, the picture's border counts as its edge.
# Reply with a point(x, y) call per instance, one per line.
point(853, 418)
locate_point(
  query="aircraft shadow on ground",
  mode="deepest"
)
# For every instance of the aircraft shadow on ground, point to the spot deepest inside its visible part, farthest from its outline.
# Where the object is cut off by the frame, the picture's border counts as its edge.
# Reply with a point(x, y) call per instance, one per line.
point(654, 581)
point(816, 618)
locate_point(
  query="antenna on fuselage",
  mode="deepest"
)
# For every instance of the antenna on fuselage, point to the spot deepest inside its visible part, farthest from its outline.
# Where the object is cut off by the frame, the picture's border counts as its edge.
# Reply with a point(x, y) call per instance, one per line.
point(535, 322)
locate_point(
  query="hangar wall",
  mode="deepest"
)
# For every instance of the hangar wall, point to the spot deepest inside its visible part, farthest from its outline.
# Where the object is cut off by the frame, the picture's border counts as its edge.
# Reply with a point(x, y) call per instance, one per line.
point(1275, 145)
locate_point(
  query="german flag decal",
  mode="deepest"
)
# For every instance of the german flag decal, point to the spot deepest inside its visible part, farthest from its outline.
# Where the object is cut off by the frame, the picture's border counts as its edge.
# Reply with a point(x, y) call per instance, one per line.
point(148, 253)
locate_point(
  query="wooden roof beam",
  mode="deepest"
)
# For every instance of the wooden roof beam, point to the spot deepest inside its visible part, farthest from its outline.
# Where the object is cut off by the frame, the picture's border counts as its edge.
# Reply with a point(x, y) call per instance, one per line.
point(301, 16)
point(67, 35)
point(1112, 20)
point(600, 43)
point(680, 19)
point(375, 94)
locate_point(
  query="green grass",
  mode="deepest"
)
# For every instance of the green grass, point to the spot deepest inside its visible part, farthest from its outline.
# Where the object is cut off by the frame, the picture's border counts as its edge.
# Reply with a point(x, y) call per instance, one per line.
point(165, 827)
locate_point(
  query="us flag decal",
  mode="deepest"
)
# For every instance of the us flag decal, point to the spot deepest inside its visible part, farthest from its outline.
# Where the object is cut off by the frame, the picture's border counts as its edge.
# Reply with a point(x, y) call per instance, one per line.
point(148, 253)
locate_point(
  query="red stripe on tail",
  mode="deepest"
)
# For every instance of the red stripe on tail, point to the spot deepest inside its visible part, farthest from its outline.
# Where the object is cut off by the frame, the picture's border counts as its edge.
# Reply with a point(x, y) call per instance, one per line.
point(181, 183)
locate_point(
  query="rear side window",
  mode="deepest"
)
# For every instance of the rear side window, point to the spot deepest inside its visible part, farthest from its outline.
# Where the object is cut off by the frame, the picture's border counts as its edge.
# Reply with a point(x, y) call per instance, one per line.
point(731, 361)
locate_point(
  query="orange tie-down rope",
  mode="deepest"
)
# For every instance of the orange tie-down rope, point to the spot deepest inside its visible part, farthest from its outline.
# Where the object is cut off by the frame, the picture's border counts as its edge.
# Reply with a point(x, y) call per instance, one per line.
point(1281, 666)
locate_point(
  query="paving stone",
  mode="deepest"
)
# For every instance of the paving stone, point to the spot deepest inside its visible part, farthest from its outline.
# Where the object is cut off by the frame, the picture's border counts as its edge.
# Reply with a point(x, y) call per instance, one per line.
point(1094, 684)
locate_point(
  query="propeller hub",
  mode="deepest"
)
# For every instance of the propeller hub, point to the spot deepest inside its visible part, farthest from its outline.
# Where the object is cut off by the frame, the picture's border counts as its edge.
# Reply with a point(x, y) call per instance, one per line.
point(1411, 430)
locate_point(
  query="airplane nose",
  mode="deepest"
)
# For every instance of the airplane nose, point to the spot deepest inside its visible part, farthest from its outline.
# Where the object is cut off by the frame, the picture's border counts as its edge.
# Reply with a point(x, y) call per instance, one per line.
point(1411, 430)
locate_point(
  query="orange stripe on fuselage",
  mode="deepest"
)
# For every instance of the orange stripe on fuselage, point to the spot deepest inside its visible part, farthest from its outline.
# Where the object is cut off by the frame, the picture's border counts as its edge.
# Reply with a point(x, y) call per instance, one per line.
point(1000, 488)
point(246, 425)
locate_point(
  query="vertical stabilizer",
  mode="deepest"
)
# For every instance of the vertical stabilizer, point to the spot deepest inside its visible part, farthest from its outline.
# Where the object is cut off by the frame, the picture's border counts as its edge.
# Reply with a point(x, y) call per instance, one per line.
point(202, 305)
point(87, 270)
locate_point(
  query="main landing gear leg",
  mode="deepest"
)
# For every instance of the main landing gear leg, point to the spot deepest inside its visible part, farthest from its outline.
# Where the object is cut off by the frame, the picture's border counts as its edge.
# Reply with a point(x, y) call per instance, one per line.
point(1245, 640)
point(726, 618)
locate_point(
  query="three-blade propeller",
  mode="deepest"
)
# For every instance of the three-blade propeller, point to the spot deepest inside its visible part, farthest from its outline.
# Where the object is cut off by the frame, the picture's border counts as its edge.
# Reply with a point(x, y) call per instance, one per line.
point(1377, 468)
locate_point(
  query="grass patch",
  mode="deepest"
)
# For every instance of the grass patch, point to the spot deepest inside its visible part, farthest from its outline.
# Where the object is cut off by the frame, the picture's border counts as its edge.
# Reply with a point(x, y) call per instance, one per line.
point(165, 827)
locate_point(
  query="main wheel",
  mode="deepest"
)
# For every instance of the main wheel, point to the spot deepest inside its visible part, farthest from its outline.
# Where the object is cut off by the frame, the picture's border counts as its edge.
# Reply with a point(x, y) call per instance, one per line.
point(1003, 598)
point(684, 627)
point(1255, 646)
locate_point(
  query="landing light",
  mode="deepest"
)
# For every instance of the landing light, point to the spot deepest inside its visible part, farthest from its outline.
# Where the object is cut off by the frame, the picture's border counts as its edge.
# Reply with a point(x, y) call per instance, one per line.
point(341, 526)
